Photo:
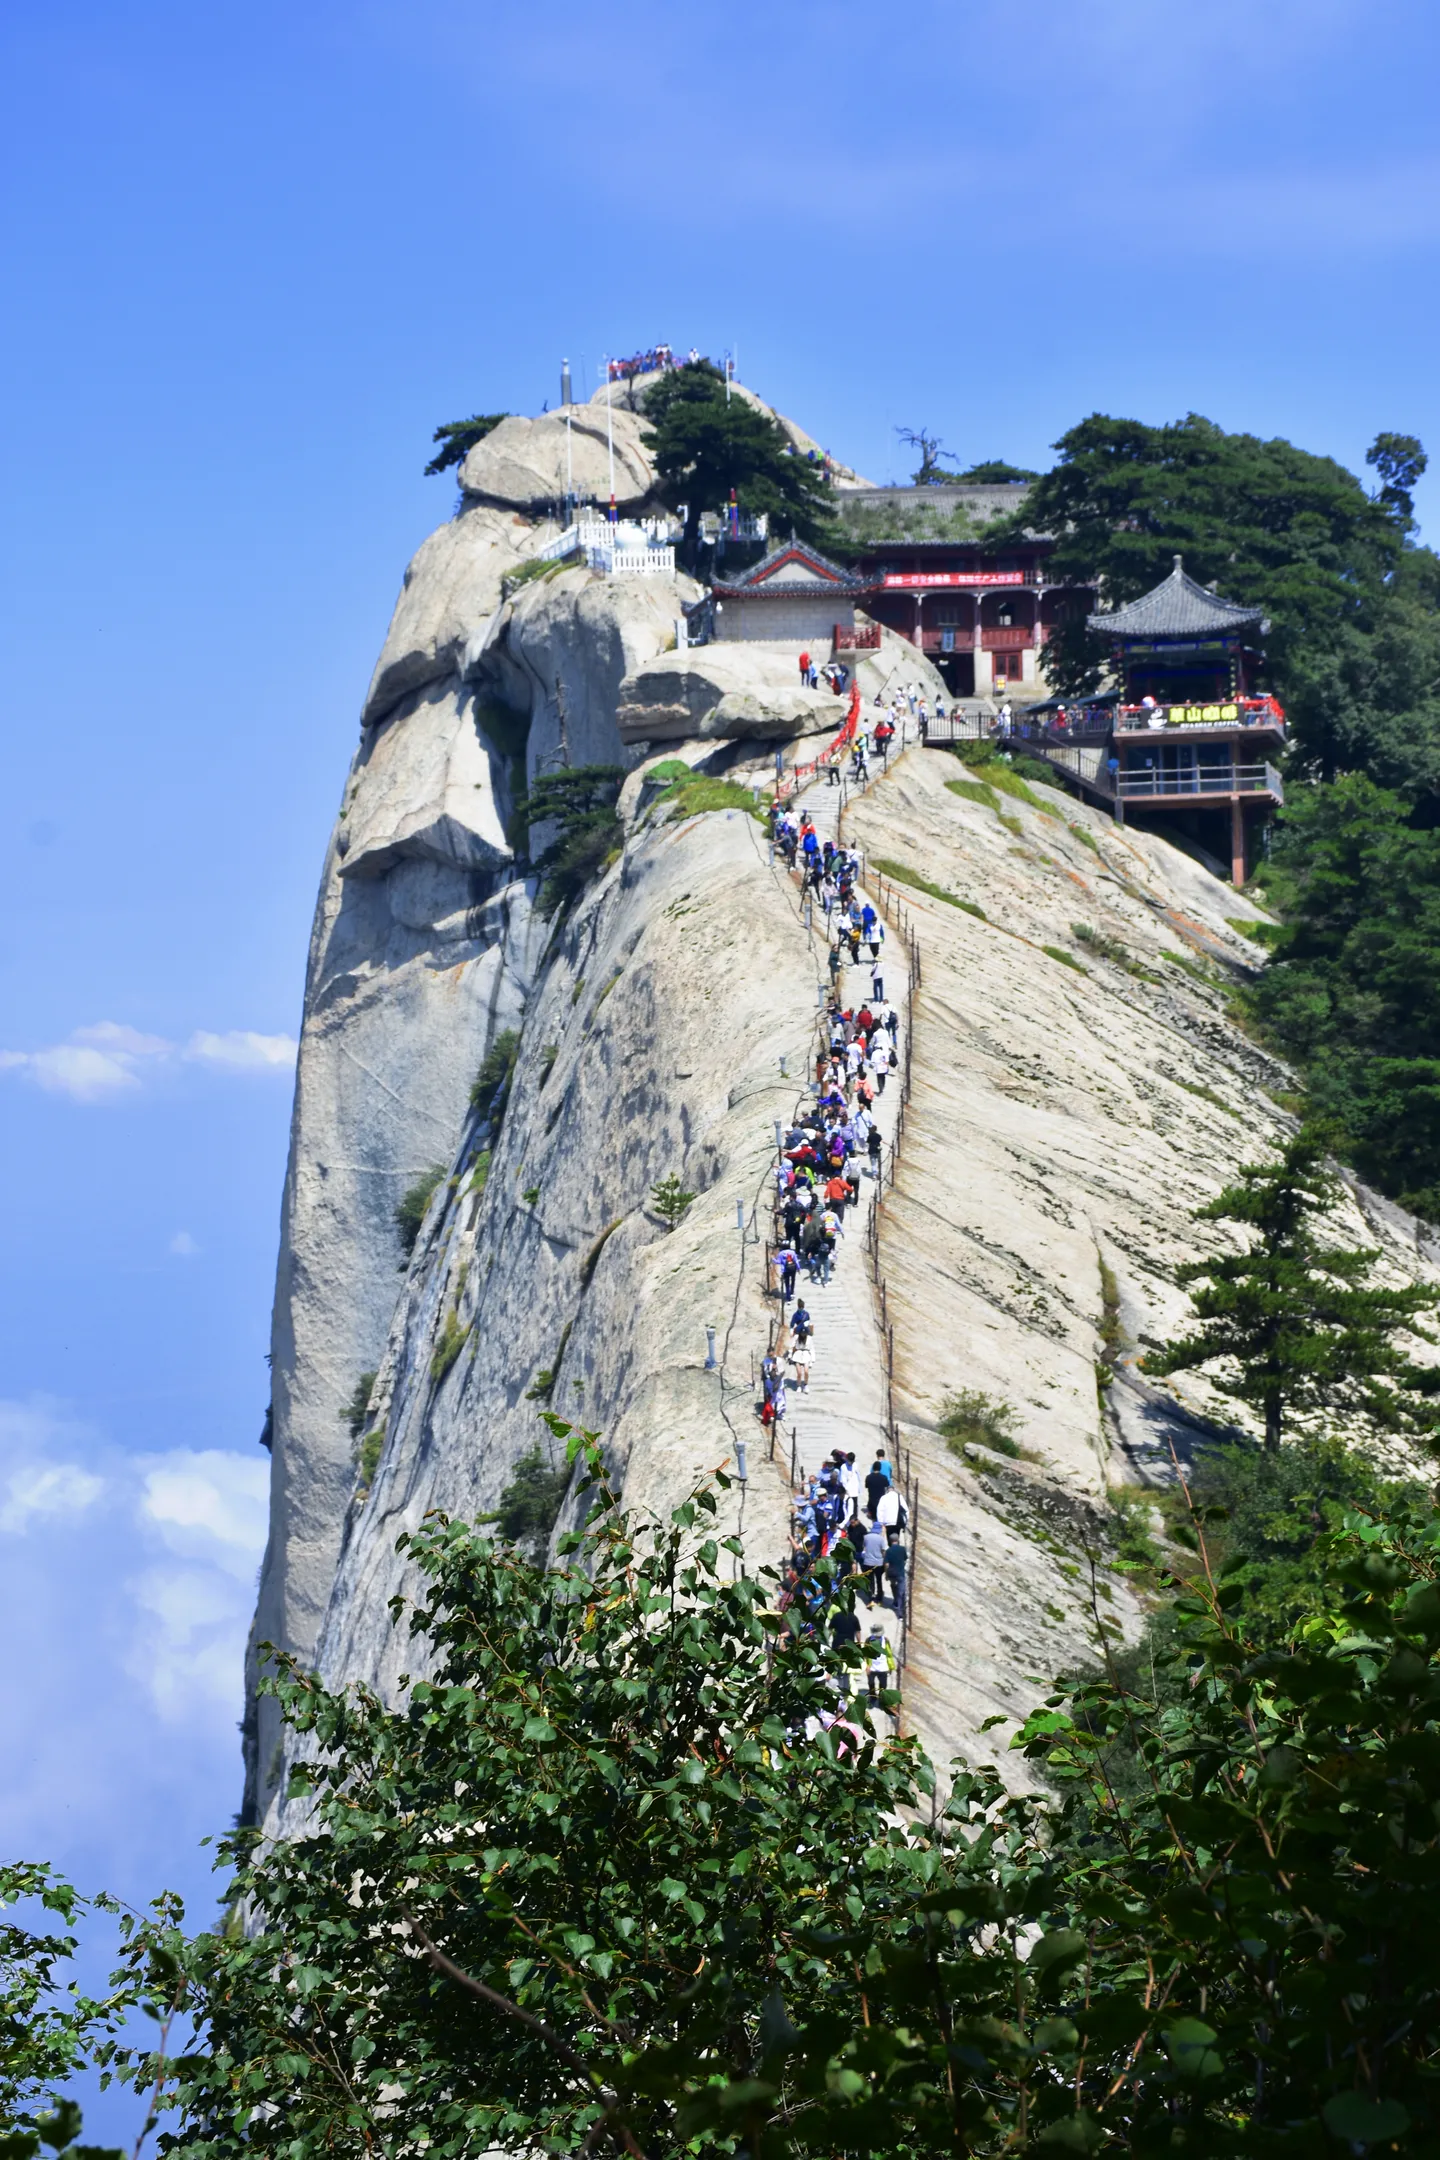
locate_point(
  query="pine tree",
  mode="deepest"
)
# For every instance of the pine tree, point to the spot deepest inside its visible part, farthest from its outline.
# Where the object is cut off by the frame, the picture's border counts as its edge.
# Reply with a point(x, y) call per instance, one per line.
point(670, 1200)
point(1301, 1318)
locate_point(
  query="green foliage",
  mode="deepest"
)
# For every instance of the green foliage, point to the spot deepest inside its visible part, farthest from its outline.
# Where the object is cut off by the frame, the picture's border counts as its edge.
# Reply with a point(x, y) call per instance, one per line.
point(543, 1385)
point(458, 437)
point(698, 792)
point(367, 1459)
point(970, 1418)
point(976, 791)
point(1296, 1321)
point(1208, 1094)
point(704, 445)
point(670, 1200)
point(995, 471)
point(453, 1339)
point(490, 1094)
point(539, 567)
point(530, 1504)
point(1352, 992)
point(1032, 768)
point(904, 875)
point(530, 1195)
point(864, 526)
point(594, 1885)
point(410, 1213)
point(668, 769)
point(579, 802)
point(1400, 461)
point(1101, 944)
point(1110, 948)
point(353, 1414)
point(1265, 1512)
point(480, 1176)
point(572, 1891)
point(1354, 648)
point(1058, 952)
point(1086, 839)
point(48, 2029)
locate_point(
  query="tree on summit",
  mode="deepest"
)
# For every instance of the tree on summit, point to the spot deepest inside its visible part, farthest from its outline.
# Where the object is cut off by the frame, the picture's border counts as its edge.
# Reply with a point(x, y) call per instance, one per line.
point(1400, 460)
point(459, 437)
point(703, 445)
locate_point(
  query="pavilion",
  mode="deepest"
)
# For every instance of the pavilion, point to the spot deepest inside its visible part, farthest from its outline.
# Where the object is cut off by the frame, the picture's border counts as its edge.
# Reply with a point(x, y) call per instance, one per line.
point(1193, 741)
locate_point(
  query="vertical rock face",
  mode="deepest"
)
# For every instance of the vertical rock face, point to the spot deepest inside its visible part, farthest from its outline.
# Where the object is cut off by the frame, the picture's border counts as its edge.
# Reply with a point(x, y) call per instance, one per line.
point(425, 946)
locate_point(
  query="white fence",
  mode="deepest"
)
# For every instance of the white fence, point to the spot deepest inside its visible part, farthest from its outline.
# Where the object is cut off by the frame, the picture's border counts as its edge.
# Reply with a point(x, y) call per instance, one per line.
point(624, 549)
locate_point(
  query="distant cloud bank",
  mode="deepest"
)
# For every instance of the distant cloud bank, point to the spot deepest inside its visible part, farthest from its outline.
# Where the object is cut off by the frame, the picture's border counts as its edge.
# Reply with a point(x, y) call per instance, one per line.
point(178, 1535)
point(103, 1062)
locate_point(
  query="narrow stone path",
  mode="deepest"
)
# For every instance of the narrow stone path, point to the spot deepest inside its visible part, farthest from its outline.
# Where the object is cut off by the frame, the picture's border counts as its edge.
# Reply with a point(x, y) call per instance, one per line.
point(846, 1403)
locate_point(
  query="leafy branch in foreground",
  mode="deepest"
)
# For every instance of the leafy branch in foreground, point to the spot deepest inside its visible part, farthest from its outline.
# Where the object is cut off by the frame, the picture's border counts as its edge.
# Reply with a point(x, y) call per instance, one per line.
point(47, 2027)
point(614, 1875)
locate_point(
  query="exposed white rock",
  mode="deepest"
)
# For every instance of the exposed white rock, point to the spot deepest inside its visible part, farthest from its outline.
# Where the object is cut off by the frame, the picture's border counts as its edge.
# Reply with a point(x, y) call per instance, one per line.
point(735, 691)
point(573, 638)
point(665, 1058)
point(1063, 1115)
point(427, 789)
point(451, 588)
point(531, 465)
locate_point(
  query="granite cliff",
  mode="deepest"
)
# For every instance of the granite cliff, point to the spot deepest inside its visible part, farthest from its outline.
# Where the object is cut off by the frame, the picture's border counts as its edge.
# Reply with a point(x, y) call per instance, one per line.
point(1067, 1115)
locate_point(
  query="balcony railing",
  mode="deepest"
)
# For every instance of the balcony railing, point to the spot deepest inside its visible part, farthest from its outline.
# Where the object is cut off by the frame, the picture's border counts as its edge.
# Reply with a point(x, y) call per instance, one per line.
point(1226, 712)
point(1156, 781)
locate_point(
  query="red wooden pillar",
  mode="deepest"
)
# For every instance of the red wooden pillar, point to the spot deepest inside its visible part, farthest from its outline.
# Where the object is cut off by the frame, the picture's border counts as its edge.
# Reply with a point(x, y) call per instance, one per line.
point(1237, 842)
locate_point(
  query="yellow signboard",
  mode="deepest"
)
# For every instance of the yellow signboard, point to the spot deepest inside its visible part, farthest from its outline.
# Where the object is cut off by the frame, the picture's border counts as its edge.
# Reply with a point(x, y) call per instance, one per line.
point(1197, 715)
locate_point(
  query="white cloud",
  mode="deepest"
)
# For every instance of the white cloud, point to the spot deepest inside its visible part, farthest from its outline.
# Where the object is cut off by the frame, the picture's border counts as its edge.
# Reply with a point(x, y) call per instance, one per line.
point(208, 1508)
point(41, 1489)
point(106, 1060)
point(177, 1535)
point(241, 1050)
point(183, 1245)
point(208, 1503)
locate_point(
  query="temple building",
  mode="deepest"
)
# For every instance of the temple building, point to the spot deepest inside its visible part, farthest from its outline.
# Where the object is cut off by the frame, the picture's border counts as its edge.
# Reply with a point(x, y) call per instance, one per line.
point(980, 609)
point(1192, 741)
point(795, 596)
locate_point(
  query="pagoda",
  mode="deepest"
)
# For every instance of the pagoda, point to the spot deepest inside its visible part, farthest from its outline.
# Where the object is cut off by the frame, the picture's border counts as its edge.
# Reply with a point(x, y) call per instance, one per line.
point(1193, 743)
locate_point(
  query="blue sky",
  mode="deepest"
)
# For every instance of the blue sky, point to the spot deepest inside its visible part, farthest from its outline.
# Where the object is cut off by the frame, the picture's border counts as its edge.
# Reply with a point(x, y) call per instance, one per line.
point(252, 255)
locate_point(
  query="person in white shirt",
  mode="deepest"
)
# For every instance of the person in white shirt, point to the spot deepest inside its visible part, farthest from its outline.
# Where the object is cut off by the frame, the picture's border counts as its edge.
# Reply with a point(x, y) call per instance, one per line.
point(850, 1484)
point(887, 1508)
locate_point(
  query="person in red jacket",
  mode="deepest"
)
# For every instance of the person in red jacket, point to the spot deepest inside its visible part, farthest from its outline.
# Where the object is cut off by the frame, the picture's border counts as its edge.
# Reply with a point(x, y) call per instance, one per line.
point(804, 667)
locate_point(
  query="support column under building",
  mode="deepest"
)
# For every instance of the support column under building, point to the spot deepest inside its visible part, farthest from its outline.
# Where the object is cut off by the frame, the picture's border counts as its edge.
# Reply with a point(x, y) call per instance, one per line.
point(1237, 843)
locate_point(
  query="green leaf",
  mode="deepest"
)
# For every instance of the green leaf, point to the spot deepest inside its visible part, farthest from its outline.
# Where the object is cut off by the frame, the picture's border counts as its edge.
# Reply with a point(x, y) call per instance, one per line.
point(1073, 2133)
point(1362, 2121)
point(1189, 2043)
point(538, 1728)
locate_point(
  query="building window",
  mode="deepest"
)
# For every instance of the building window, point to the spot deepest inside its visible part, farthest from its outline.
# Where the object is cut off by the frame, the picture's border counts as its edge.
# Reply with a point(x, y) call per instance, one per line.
point(1006, 618)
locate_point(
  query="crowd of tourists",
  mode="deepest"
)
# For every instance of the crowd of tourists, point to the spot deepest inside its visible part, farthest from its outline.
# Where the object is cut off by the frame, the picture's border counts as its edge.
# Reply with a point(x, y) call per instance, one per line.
point(827, 1157)
point(653, 361)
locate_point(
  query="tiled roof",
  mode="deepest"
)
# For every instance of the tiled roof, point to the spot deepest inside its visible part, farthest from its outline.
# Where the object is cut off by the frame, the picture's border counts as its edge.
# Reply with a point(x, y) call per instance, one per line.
point(1178, 608)
point(759, 582)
